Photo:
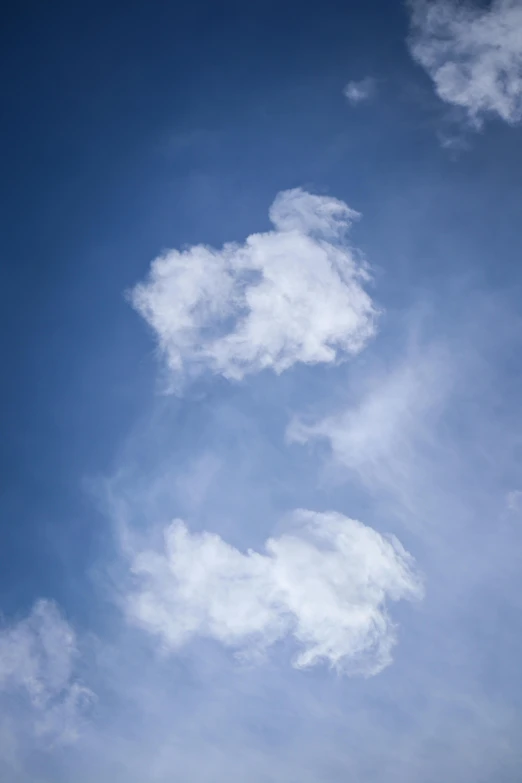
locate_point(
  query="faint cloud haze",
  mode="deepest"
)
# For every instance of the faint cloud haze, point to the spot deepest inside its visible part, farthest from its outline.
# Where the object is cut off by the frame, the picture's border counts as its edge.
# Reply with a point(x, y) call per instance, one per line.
point(378, 437)
point(37, 660)
point(361, 91)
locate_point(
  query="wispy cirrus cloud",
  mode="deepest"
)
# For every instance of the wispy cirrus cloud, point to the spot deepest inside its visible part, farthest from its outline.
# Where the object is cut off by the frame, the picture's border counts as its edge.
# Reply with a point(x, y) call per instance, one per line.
point(473, 53)
point(380, 433)
point(294, 294)
point(37, 681)
point(325, 583)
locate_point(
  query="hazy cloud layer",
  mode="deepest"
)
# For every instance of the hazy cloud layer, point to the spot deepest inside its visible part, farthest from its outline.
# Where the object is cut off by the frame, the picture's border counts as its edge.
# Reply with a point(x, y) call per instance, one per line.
point(294, 294)
point(326, 583)
point(473, 54)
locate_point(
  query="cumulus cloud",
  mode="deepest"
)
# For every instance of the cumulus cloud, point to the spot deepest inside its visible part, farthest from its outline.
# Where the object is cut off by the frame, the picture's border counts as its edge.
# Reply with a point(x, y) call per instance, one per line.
point(36, 668)
point(473, 54)
point(361, 91)
point(293, 294)
point(326, 583)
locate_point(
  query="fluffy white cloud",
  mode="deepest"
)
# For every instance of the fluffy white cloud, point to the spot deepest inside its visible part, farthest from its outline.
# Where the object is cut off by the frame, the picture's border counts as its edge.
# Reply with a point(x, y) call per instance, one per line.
point(473, 54)
point(326, 583)
point(361, 91)
point(294, 294)
point(36, 665)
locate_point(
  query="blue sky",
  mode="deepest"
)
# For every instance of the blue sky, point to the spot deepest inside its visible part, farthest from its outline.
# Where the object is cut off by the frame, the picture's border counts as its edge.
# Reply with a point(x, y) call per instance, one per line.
point(261, 509)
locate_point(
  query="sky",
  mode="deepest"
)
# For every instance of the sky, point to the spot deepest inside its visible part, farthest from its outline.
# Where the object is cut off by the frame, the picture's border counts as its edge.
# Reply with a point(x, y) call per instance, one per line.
point(261, 491)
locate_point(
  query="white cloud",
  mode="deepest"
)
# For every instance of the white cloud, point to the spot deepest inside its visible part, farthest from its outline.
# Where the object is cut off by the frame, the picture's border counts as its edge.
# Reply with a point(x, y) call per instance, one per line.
point(326, 583)
point(36, 664)
point(378, 437)
point(361, 91)
point(473, 55)
point(294, 294)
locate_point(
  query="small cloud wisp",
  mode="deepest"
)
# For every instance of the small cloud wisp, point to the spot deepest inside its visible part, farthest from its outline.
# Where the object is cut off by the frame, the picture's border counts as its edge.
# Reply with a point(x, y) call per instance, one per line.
point(362, 91)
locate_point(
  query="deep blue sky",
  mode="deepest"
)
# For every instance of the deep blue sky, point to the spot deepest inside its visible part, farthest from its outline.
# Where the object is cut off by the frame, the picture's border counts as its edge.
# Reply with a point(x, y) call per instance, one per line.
point(128, 129)
point(133, 127)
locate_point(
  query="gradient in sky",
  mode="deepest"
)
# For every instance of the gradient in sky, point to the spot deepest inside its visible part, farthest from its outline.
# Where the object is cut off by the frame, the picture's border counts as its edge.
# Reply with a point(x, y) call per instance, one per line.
point(261, 404)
